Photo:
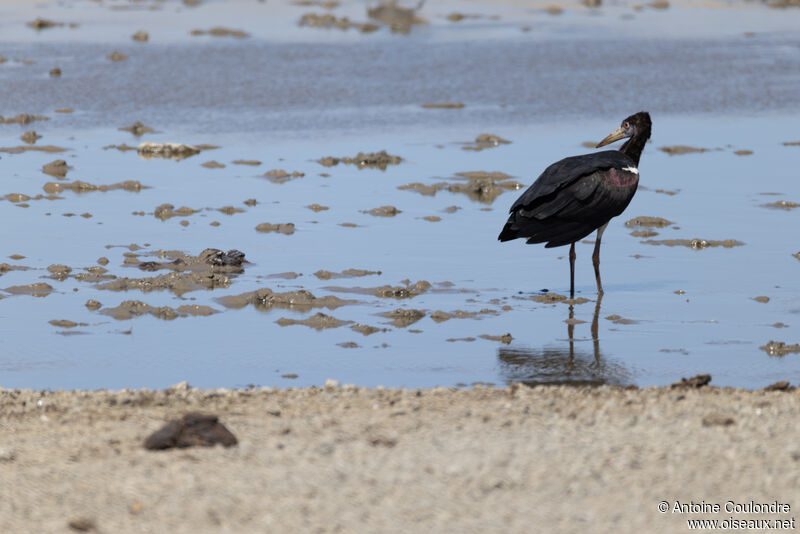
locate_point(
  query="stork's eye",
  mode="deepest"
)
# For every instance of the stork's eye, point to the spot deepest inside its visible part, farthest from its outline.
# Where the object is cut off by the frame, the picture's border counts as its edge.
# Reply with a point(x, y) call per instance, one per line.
point(625, 125)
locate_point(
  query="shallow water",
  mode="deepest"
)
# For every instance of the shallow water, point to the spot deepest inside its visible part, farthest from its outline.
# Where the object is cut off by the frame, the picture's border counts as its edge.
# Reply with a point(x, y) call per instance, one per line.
point(291, 97)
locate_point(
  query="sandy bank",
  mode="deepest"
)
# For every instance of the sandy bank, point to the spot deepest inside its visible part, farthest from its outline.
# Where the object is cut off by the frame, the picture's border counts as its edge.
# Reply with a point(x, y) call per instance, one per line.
point(545, 459)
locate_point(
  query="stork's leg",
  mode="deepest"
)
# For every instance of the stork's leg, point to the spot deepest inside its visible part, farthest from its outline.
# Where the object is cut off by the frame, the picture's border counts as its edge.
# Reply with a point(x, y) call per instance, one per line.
point(572, 271)
point(596, 258)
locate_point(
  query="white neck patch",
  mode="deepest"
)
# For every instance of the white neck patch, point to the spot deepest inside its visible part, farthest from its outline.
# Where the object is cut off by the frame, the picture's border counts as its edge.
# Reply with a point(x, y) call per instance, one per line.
point(633, 170)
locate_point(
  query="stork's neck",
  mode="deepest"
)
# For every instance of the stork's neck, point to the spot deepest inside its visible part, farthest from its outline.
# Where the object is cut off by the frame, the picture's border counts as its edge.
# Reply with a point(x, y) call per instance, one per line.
point(634, 145)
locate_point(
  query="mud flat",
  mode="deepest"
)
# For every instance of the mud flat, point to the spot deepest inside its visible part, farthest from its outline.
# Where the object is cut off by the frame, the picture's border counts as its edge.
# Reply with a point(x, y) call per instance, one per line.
point(355, 460)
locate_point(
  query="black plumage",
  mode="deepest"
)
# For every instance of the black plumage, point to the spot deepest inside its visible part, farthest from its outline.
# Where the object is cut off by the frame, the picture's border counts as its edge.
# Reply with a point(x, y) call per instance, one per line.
point(580, 194)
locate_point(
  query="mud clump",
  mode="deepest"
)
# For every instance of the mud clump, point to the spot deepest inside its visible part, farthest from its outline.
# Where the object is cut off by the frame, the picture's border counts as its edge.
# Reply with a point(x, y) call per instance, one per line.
point(57, 168)
point(281, 228)
point(59, 272)
point(618, 319)
point(32, 148)
point(176, 151)
point(328, 21)
point(781, 385)
point(316, 208)
point(347, 273)
point(5, 267)
point(761, 299)
point(743, 152)
point(402, 318)
point(39, 289)
point(167, 211)
point(408, 290)
point(265, 299)
point(191, 430)
point(93, 305)
point(677, 150)
point(320, 321)
point(782, 204)
point(365, 329)
point(141, 36)
point(695, 244)
point(648, 222)
point(644, 233)
point(504, 339)
point(85, 187)
point(279, 176)
point(443, 105)
point(484, 141)
point(117, 56)
point(177, 283)
point(441, 316)
point(137, 128)
point(30, 137)
point(695, 382)
point(383, 211)
point(135, 308)
point(213, 165)
point(22, 119)
point(779, 348)
point(65, 323)
point(42, 24)
point(122, 148)
point(484, 187)
point(374, 160)
point(219, 31)
point(230, 210)
point(399, 19)
point(211, 259)
point(548, 298)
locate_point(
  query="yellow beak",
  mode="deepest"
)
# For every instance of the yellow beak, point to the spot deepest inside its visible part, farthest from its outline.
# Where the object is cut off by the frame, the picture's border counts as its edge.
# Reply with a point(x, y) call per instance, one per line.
point(616, 135)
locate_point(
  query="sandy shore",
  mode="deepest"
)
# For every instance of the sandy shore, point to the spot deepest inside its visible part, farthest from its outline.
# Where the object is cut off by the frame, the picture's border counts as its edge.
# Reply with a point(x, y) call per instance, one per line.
point(342, 459)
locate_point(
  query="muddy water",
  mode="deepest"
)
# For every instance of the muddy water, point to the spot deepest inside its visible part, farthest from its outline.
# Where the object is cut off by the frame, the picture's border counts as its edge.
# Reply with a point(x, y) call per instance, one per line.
point(301, 95)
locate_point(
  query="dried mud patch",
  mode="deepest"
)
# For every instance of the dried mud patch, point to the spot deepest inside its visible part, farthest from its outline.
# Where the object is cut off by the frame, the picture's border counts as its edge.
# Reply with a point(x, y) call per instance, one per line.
point(373, 160)
point(265, 299)
point(695, 244)
point(135, 308)
point(319, 321)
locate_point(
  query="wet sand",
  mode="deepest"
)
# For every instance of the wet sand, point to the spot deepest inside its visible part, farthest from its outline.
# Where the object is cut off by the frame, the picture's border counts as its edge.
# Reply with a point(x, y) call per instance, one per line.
point(342, 459)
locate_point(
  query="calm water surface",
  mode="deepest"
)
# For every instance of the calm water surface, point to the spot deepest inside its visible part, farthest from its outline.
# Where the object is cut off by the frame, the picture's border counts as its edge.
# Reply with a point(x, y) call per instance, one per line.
point(289, 96)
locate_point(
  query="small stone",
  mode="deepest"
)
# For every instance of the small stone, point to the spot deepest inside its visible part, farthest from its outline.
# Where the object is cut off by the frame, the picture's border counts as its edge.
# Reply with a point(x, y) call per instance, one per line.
point(193, 429)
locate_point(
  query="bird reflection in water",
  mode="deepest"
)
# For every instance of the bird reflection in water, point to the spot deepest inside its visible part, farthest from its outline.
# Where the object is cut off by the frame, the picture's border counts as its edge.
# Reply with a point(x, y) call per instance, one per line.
point(563, 364)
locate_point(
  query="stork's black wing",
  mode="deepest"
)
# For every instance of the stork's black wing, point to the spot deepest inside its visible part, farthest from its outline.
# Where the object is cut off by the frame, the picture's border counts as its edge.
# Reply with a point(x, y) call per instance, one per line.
point(572, 198)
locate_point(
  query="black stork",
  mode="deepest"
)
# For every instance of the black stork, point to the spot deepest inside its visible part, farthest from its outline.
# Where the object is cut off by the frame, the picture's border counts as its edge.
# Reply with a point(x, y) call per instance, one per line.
point(578, 195)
